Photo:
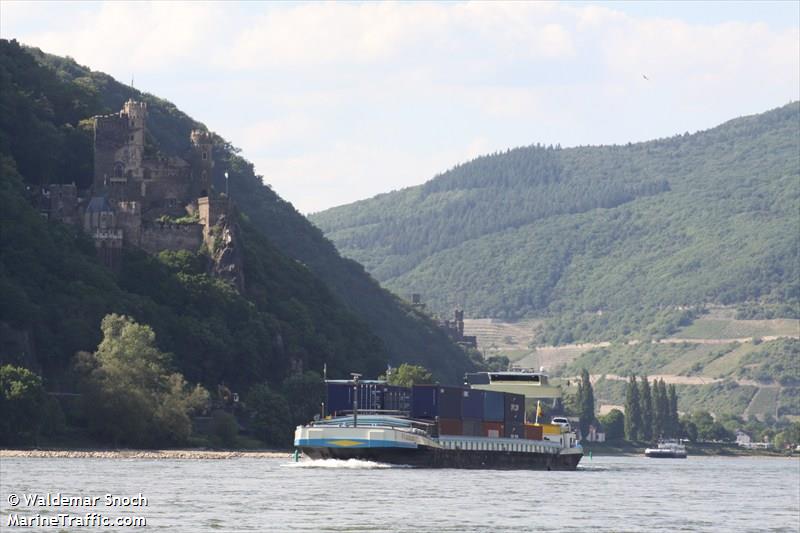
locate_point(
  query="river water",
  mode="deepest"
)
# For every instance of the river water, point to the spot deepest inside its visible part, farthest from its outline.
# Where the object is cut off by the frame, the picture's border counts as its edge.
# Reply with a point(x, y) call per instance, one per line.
point(248, 494)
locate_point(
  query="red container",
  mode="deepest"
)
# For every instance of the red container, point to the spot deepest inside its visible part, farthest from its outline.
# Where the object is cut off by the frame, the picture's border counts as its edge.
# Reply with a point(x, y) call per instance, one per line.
point(492, 429)
point(533, 432)
point(450, 426)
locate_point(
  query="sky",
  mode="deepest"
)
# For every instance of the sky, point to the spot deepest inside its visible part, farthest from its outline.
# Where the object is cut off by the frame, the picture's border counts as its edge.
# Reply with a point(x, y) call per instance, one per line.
point(337, 102)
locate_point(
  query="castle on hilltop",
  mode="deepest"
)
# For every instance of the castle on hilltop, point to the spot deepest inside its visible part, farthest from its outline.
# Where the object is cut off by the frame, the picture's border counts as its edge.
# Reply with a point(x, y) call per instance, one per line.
point(144, 200)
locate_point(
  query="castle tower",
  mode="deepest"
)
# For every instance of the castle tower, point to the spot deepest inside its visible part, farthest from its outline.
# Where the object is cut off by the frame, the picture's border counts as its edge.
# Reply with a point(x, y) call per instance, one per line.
point(136, 114)
point(202, 163)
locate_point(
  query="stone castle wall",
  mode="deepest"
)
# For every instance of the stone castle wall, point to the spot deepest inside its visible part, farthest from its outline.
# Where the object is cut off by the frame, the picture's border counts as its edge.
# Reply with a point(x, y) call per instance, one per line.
point(156, 238)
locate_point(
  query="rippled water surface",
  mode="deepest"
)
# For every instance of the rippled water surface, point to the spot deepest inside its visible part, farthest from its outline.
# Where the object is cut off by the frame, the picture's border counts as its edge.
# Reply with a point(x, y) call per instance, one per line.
point(605, 494)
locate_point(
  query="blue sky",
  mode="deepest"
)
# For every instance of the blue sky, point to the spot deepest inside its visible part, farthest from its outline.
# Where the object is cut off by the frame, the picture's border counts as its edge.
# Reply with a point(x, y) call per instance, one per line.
point(339, 102)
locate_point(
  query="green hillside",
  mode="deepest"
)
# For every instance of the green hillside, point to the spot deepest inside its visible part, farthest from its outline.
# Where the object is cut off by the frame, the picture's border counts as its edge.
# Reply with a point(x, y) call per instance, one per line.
point(304, 305)
point(406, 335)
point(607, 241)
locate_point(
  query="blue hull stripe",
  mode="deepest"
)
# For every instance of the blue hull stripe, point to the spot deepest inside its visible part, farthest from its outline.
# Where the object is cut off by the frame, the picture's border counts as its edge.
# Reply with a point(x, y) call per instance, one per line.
point(353, 443)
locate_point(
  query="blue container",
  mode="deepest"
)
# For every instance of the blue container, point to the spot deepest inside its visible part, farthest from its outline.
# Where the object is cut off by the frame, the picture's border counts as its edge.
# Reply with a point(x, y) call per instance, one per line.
point(430, 401)
point(472, 404)
point(514, 430)
point(449, 399)
point(493, 406)
point(514, 408)
point(340, 397)
point(424, 402)
point(396, 398)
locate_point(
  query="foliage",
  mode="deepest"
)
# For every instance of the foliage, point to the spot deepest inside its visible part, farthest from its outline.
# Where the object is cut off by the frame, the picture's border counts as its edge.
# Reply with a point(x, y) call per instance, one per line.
point(646, 402)
point(224, 428)
point(409, 375)
point(585, 402)
point(131, 396)
point(270, 417)
point(608, 241)
point(21, 402)
point(633, 411)
point(707, 428)
point(614, 425)
point(774, 361)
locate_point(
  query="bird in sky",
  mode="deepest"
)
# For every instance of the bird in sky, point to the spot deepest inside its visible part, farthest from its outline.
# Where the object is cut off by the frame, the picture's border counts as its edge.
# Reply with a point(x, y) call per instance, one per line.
point(645, 77)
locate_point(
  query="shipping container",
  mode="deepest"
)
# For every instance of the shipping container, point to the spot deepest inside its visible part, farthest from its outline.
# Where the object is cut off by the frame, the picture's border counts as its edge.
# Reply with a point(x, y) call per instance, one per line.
point(450, 426)
point(514, 408)
point(396, 398)
point(492, 429)
point(340, 397)
point(493, 406)
point(472, 427)
point(449, 399)
point(514, 430)
point(472, 404)
point(424, 402)
point(533, 432)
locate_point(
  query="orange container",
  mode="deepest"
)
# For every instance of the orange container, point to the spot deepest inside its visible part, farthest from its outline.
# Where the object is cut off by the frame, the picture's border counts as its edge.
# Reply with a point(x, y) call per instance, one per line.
point(450, 426)
point(492, 429)
point(533, 432)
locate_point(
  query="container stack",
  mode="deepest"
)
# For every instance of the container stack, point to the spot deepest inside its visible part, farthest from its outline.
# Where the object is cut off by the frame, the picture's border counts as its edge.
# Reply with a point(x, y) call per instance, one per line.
point(514, 416)
point(371, 397)
point(458, 410)
point(493, 414)
point(472, 412)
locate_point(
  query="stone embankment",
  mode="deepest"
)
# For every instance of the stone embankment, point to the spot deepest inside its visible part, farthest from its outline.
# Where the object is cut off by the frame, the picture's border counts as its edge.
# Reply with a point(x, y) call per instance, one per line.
point(145, 454)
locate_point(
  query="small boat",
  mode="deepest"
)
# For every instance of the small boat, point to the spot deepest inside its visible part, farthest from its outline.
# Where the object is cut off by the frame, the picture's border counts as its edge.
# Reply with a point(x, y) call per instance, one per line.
point(667, 449)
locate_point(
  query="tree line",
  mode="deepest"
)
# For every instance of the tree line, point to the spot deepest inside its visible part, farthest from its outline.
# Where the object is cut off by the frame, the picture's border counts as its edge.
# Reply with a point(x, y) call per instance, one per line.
point(651, 412)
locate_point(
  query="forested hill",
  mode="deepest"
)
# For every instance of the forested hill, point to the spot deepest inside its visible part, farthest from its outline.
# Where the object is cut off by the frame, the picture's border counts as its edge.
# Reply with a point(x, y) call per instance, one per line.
point(304, 303)
point(605, 240)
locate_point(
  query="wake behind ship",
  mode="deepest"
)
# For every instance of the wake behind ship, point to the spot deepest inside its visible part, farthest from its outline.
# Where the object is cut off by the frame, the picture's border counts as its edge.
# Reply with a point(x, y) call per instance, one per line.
point(437, 427)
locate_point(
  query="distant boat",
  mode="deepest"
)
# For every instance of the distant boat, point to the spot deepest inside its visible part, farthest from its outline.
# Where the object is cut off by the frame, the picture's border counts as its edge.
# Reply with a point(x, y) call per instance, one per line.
point(667, 449)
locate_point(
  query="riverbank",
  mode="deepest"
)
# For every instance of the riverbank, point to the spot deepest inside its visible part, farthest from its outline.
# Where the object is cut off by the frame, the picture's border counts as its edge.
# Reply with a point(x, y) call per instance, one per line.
point(693, 449)
point(148, 454)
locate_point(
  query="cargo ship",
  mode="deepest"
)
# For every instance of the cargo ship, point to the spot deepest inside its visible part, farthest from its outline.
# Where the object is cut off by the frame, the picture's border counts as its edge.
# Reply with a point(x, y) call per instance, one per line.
point(435, 426)
point(667, 449)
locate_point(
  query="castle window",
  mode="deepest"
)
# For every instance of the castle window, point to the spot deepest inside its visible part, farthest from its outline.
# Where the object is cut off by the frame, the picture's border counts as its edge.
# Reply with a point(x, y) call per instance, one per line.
point(205, 155)
point(118, 169)
point(131, 137)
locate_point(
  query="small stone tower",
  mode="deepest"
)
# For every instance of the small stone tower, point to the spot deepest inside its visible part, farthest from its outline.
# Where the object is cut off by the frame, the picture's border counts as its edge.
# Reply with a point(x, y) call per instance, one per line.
point(136, 113)
point(202, 163)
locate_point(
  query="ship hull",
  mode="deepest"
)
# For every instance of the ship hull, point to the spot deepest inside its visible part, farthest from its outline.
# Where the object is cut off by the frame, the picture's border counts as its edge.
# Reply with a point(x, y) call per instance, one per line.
point(425, 457)
point(664, 455)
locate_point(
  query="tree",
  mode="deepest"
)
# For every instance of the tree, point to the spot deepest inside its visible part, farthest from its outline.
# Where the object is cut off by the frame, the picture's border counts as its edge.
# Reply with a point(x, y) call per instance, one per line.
point(130, 396)
point(224, 428)
point(21, 404)
point(407, 375)
point(585, 402)
point(646, 402)
point(269, 415)
point(688, 428)
point(614, 424)
point(674, 423)
point(660, 409)
point(633, 413)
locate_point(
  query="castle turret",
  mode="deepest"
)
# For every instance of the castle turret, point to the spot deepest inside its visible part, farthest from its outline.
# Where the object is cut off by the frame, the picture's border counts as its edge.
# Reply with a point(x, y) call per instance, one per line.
point(136, 114)
point(203, 162)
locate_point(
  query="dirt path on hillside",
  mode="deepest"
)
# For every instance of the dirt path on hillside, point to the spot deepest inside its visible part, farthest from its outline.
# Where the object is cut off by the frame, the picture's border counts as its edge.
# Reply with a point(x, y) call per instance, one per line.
point(673, 379)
